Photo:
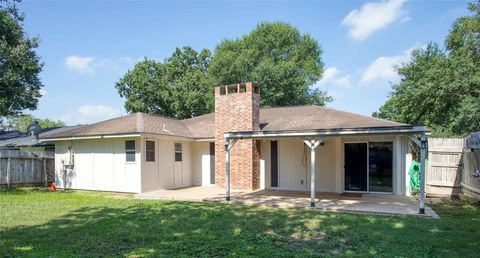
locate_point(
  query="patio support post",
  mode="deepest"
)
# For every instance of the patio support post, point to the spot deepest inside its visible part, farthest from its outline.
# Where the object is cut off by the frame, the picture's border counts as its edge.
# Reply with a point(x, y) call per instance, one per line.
point(312, 144)
point(228, 146)
point(423, 153)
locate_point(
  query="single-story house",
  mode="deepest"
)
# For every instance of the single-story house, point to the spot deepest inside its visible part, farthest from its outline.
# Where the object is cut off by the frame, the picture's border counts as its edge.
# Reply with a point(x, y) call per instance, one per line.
point(240, 145)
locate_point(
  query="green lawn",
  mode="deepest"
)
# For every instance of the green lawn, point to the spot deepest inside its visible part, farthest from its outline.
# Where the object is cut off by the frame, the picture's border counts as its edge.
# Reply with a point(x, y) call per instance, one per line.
point(36, 223)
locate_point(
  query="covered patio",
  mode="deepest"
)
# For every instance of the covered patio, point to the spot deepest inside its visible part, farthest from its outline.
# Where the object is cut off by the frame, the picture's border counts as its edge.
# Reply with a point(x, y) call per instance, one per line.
point(346, 202)
point(314, 139)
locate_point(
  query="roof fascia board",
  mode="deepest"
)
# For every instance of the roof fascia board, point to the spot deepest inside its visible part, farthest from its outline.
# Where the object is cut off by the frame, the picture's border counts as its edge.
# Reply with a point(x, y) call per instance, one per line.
point(325, 133)
point(90, 137)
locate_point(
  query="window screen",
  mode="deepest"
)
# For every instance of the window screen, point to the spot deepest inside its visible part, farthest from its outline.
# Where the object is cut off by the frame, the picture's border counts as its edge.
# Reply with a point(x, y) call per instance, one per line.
point(130, 151)
point(178, 152)
point(150, 151)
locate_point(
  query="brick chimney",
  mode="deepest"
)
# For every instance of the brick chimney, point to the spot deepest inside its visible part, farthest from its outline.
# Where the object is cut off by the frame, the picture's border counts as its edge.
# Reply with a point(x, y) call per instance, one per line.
point(237, 108)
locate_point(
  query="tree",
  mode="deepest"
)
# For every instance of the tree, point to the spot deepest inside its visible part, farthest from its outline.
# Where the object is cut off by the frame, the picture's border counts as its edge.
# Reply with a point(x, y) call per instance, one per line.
point(179, 87)
point(284, 62)
point(441, 88)
point(21, 123)
point(20, 66)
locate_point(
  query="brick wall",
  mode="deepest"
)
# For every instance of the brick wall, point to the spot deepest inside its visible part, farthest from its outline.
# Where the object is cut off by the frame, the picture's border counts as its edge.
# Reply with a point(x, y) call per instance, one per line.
point(238, 109)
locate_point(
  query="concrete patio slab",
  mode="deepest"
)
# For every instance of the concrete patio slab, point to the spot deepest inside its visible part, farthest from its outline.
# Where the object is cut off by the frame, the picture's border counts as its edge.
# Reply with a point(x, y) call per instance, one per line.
point(195, 193)
point(359, 203)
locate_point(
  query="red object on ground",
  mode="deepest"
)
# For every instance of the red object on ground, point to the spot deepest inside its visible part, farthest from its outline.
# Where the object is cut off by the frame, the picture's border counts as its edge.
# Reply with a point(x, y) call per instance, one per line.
point(52, 187)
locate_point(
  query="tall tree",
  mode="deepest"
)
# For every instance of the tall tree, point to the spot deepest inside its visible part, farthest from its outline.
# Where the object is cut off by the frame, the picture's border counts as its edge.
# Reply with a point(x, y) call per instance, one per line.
point(21, 122)
point(283, 61)
point(441, 88)
point(20, 65)
point(179, 87)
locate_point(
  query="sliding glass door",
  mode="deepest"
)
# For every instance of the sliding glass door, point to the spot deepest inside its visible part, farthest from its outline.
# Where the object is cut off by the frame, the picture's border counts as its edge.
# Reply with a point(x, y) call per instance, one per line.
point(368, 167)
point(356, 167)
point(380, 163)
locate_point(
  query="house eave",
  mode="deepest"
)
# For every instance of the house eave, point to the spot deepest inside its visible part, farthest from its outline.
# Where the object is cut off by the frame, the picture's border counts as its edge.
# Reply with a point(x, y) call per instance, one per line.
point(88, 137)
point(405, 130)
point(122, 135)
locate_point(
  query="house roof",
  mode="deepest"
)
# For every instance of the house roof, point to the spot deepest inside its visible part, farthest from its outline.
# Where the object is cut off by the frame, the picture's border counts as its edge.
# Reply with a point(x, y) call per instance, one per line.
point(296, 118)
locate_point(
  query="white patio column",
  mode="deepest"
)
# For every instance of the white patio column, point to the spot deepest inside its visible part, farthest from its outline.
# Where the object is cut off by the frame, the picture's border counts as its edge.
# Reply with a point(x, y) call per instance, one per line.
point(228, 146)
point(423, 153)
point(313, 144)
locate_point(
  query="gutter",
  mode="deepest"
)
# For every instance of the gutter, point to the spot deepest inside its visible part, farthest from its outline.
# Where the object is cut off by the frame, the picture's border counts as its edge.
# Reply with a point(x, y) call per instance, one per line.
point(69, 138)
point(324, 133)
point(109, 136)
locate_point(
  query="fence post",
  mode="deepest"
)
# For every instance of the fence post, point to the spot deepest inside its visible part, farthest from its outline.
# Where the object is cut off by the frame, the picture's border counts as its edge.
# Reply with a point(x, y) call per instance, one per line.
point(9, 167)
point(32, 167)
point(423, 153)
point(45, 171)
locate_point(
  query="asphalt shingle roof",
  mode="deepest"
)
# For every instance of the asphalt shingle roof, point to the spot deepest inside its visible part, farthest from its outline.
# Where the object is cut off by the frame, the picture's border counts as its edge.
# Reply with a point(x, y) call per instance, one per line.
point(271, 119)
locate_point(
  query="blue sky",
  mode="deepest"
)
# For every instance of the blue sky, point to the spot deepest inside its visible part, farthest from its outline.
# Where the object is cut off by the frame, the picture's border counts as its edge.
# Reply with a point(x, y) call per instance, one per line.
point(88, 45)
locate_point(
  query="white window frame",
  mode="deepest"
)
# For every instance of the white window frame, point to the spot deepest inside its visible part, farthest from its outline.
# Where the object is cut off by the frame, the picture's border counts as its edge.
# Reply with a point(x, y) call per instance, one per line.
point(128, 151)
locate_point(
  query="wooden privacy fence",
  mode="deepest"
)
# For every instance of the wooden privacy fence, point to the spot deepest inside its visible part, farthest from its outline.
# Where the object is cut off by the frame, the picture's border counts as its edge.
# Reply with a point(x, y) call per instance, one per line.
point(26, 167)
point(471, 167)
point(444, 166)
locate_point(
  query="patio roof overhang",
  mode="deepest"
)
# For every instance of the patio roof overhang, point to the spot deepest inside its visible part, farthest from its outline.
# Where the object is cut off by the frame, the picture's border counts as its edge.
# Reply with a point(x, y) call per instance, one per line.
point(321, 133)
point(312, 138)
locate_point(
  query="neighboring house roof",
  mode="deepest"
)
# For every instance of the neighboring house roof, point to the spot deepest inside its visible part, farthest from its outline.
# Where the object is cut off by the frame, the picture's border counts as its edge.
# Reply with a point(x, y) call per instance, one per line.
point(271, 119)
point(9, 139)
point(7, 135)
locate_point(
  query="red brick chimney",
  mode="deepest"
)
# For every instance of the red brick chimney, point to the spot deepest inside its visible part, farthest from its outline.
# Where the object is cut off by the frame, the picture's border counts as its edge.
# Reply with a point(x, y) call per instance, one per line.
point(237, 108)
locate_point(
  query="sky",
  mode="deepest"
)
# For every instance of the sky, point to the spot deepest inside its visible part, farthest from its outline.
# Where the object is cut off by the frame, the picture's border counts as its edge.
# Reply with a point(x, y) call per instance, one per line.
point(87, 46)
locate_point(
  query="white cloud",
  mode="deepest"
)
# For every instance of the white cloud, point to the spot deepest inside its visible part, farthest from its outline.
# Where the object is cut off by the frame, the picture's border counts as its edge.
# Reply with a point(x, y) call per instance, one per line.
point(334, 76)
point(87, 114)
point(80, 64)
point(372, 17)
point(383, 68)
point(90, 64)
point(43, 92)
point(94, 111)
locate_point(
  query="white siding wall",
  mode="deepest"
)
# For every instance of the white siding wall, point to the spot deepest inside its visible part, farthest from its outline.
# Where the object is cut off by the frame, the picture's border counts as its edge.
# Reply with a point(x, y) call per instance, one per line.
point(325, 179)
point(330, 160)
point(165, 173)
point(294, 165)
point(292, 174)
point(99, 164)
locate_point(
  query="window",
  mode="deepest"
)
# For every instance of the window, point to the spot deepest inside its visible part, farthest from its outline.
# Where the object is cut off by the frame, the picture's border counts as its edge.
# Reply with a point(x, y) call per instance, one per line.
point(130, 151)
point(150, 151)
point(178, 152)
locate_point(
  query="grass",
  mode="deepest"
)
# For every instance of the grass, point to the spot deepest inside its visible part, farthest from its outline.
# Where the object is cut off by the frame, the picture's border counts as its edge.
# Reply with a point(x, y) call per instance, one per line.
point(37, 223)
